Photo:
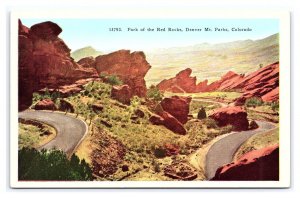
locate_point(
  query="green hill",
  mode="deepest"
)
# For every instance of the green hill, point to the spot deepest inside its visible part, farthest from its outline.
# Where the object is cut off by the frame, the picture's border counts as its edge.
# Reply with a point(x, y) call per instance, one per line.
point(85, 52)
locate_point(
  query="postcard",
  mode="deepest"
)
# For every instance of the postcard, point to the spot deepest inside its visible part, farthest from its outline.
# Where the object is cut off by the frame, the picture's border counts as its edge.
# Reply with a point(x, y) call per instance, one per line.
point(164, 99)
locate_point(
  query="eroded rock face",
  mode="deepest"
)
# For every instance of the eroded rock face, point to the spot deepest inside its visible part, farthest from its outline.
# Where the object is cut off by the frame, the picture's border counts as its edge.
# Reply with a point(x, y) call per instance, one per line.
point(46, 104)
point(44, 61)
point(172, 123)
point(235, 116)
point(182, 82)
point(131, 68)
point(122, 93)
point(262, 164)
point(263, 83)
point(177, 107)
point(87, 62)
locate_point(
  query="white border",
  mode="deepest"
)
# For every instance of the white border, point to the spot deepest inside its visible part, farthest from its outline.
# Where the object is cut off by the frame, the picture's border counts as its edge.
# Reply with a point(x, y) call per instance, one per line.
point(119, 13)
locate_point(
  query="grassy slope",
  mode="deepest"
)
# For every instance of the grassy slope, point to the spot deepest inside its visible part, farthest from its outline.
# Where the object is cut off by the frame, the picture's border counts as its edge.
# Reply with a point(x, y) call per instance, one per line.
point(258, 141)
point(33, 136)
point(212, 61)
point(139, 137)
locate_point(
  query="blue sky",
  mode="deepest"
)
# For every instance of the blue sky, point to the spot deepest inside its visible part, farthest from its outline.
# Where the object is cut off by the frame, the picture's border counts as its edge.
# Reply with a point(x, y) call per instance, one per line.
point(78, 33)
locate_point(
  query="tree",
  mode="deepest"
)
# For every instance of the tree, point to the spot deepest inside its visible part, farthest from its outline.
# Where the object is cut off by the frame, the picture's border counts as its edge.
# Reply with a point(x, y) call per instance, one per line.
point(201, 113)
point(51, 165)
point(154, 93)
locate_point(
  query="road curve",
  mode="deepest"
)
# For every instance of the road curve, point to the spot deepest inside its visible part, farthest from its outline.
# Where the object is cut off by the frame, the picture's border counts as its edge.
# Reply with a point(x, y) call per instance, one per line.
point(70, 130)
point(222, 152)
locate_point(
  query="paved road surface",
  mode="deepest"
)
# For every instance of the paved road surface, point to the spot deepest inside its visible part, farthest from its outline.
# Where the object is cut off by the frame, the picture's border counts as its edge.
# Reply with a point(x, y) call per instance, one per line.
point(222, 152)
point(70, 130)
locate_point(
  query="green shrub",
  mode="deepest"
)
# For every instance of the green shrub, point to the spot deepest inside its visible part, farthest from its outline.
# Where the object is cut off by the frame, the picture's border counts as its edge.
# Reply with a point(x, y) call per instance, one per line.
point(275, 106)
point(154, 93)
point(135, 102)
point(201, 114)
point(114, 80)
point(254, 102)
point(160, 152)
point(46, 95)
point(51, 165)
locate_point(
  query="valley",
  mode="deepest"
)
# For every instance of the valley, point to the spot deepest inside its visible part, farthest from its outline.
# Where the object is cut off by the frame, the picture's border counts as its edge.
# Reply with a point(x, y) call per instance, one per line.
point(151, 116)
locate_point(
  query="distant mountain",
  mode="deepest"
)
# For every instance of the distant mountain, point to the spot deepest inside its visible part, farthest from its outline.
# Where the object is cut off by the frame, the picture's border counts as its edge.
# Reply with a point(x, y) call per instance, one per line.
point(85, 52)
point(211, 61)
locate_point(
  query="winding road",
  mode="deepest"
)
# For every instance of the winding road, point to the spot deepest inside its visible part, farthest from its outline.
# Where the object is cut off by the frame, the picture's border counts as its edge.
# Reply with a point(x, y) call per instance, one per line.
point(222, 151)
point(70, 130)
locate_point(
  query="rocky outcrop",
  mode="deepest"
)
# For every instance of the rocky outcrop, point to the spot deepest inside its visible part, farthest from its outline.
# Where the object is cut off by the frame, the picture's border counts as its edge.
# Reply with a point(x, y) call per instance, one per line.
point(131, 68)
point(182, 82)
point(235, 116)
point(225, 83)
point(177, 106)
point(44, 61)
point(172, 123)
point(171, 149)
point(87, 62)
point(167, 120)
point(263, 83)
point(97, 107)
point(122, 93)
point(46, 104)
point(257, 165)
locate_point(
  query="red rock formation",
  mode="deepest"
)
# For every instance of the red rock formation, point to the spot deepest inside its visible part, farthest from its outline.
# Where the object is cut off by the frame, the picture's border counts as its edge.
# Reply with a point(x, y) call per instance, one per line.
point(87, 62)
point(156, 120)
point(262, 164)
point(172, 123)
point(122, 93)
point(177, 107)
point(44, 61)
point(164, 118)
point(182, 82)
point(131, 68)
point(46, 104)
point(262, 83)
point(171, 149)
point(235, 116)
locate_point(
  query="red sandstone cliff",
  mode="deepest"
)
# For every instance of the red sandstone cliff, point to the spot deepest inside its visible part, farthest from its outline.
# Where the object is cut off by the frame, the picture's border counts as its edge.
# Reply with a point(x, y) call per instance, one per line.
point(262, 83)
point(131, 68)
point(44, 61)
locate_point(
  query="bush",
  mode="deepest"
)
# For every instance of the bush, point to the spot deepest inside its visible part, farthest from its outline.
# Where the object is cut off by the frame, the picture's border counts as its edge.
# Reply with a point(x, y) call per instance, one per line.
point(275, 106)
point(201, 114)
point(254, 102)
point(46, 95)
point(160, 152)
point(51, 165)
point(114, 80)
point(154, 93)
